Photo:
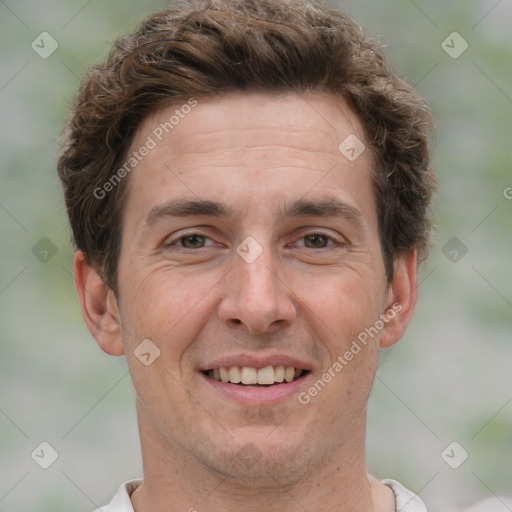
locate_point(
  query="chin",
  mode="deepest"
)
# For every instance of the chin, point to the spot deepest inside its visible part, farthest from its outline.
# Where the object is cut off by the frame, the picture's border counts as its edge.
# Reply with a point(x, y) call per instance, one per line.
point(264, 459)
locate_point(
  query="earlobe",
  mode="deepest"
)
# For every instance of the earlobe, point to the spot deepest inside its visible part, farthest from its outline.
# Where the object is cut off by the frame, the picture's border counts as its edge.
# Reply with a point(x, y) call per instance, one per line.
point(99, 307)
point(401, 301)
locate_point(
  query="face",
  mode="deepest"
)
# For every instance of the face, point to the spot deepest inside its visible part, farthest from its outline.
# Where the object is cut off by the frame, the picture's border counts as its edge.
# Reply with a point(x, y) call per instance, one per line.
point(250, 250)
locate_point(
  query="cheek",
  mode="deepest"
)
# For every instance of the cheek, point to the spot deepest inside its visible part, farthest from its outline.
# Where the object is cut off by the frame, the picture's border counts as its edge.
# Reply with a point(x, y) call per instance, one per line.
point(167, 307)
point(345, 309)
point(354, 307)
point(344, 304)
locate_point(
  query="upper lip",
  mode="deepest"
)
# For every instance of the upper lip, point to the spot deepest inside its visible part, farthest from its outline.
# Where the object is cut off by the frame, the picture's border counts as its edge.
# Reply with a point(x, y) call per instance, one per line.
point(256, 361)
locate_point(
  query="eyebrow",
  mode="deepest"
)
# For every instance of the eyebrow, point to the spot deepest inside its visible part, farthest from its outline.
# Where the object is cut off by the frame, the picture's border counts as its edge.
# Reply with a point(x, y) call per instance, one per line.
point(329, 207)
point(186, 207)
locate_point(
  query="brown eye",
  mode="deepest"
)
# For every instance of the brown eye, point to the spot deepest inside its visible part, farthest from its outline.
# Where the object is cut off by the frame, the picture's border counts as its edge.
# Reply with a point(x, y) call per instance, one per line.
point(316, 241)
point(192, 241)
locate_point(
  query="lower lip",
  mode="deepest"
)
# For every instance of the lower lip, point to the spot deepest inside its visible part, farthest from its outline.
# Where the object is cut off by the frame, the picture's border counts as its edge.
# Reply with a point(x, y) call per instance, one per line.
point(252, 395)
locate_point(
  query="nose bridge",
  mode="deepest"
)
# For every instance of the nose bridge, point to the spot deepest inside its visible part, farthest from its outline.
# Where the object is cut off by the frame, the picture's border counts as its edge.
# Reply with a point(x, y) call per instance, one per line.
point(257, 297)
point(259, 277)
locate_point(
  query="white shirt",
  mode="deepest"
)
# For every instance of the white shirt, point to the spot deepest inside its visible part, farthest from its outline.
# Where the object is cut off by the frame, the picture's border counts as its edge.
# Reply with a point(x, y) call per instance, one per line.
point(406, 501)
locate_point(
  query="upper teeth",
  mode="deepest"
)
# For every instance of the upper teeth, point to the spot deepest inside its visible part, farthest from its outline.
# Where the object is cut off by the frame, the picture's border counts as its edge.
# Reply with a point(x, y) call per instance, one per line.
point(249, 375)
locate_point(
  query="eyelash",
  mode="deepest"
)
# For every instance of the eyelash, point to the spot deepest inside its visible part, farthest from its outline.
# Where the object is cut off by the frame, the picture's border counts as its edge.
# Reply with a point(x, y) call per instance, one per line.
point(312, 233)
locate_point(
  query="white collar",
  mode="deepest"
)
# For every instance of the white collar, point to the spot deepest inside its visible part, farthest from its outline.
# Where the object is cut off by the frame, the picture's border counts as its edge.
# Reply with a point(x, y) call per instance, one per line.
point(406, 501)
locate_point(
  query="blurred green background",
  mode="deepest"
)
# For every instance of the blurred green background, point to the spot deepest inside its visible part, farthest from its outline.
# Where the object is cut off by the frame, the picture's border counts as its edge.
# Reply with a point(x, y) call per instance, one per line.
point(450, 378)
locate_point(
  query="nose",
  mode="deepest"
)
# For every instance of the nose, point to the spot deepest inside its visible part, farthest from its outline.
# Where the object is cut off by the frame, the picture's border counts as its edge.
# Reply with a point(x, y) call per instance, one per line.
point(258, 298)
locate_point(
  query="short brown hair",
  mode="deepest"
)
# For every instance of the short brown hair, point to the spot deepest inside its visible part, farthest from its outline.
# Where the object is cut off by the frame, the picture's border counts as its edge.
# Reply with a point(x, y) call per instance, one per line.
point(206, 48)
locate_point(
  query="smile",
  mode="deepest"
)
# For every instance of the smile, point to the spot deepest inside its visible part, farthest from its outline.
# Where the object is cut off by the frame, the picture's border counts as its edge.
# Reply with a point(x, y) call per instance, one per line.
point(247, 375)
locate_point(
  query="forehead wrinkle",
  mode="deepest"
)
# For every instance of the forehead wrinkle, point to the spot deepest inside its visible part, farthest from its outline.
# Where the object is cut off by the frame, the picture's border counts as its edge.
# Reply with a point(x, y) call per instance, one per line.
point(272, 148)
point(259, 130)
point(286, 128)
point(285, 159)
point(312, 143)
point(283, 168)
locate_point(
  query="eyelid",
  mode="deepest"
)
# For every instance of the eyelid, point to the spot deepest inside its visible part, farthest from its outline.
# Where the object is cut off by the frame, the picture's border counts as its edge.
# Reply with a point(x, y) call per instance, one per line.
point(337, 240)
point(172, 240)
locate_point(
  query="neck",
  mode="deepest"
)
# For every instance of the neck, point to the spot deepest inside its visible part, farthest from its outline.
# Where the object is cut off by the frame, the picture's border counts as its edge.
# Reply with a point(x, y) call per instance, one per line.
point(175, 480)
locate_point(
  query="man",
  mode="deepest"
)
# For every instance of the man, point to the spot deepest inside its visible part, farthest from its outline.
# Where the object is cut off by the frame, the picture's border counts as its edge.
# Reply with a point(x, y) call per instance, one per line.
point(248, 186)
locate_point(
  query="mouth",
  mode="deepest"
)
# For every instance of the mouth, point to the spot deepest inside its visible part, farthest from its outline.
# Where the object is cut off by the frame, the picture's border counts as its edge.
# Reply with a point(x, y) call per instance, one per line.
point(247, 376)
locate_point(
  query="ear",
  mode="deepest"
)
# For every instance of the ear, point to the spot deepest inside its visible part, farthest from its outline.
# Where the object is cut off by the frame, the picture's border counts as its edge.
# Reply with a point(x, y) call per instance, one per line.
point(401, 300)
point(99, 307)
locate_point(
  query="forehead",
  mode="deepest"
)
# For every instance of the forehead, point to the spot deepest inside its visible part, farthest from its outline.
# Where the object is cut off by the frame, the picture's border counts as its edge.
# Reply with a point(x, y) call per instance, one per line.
point(306, 121)
point(247, 144)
